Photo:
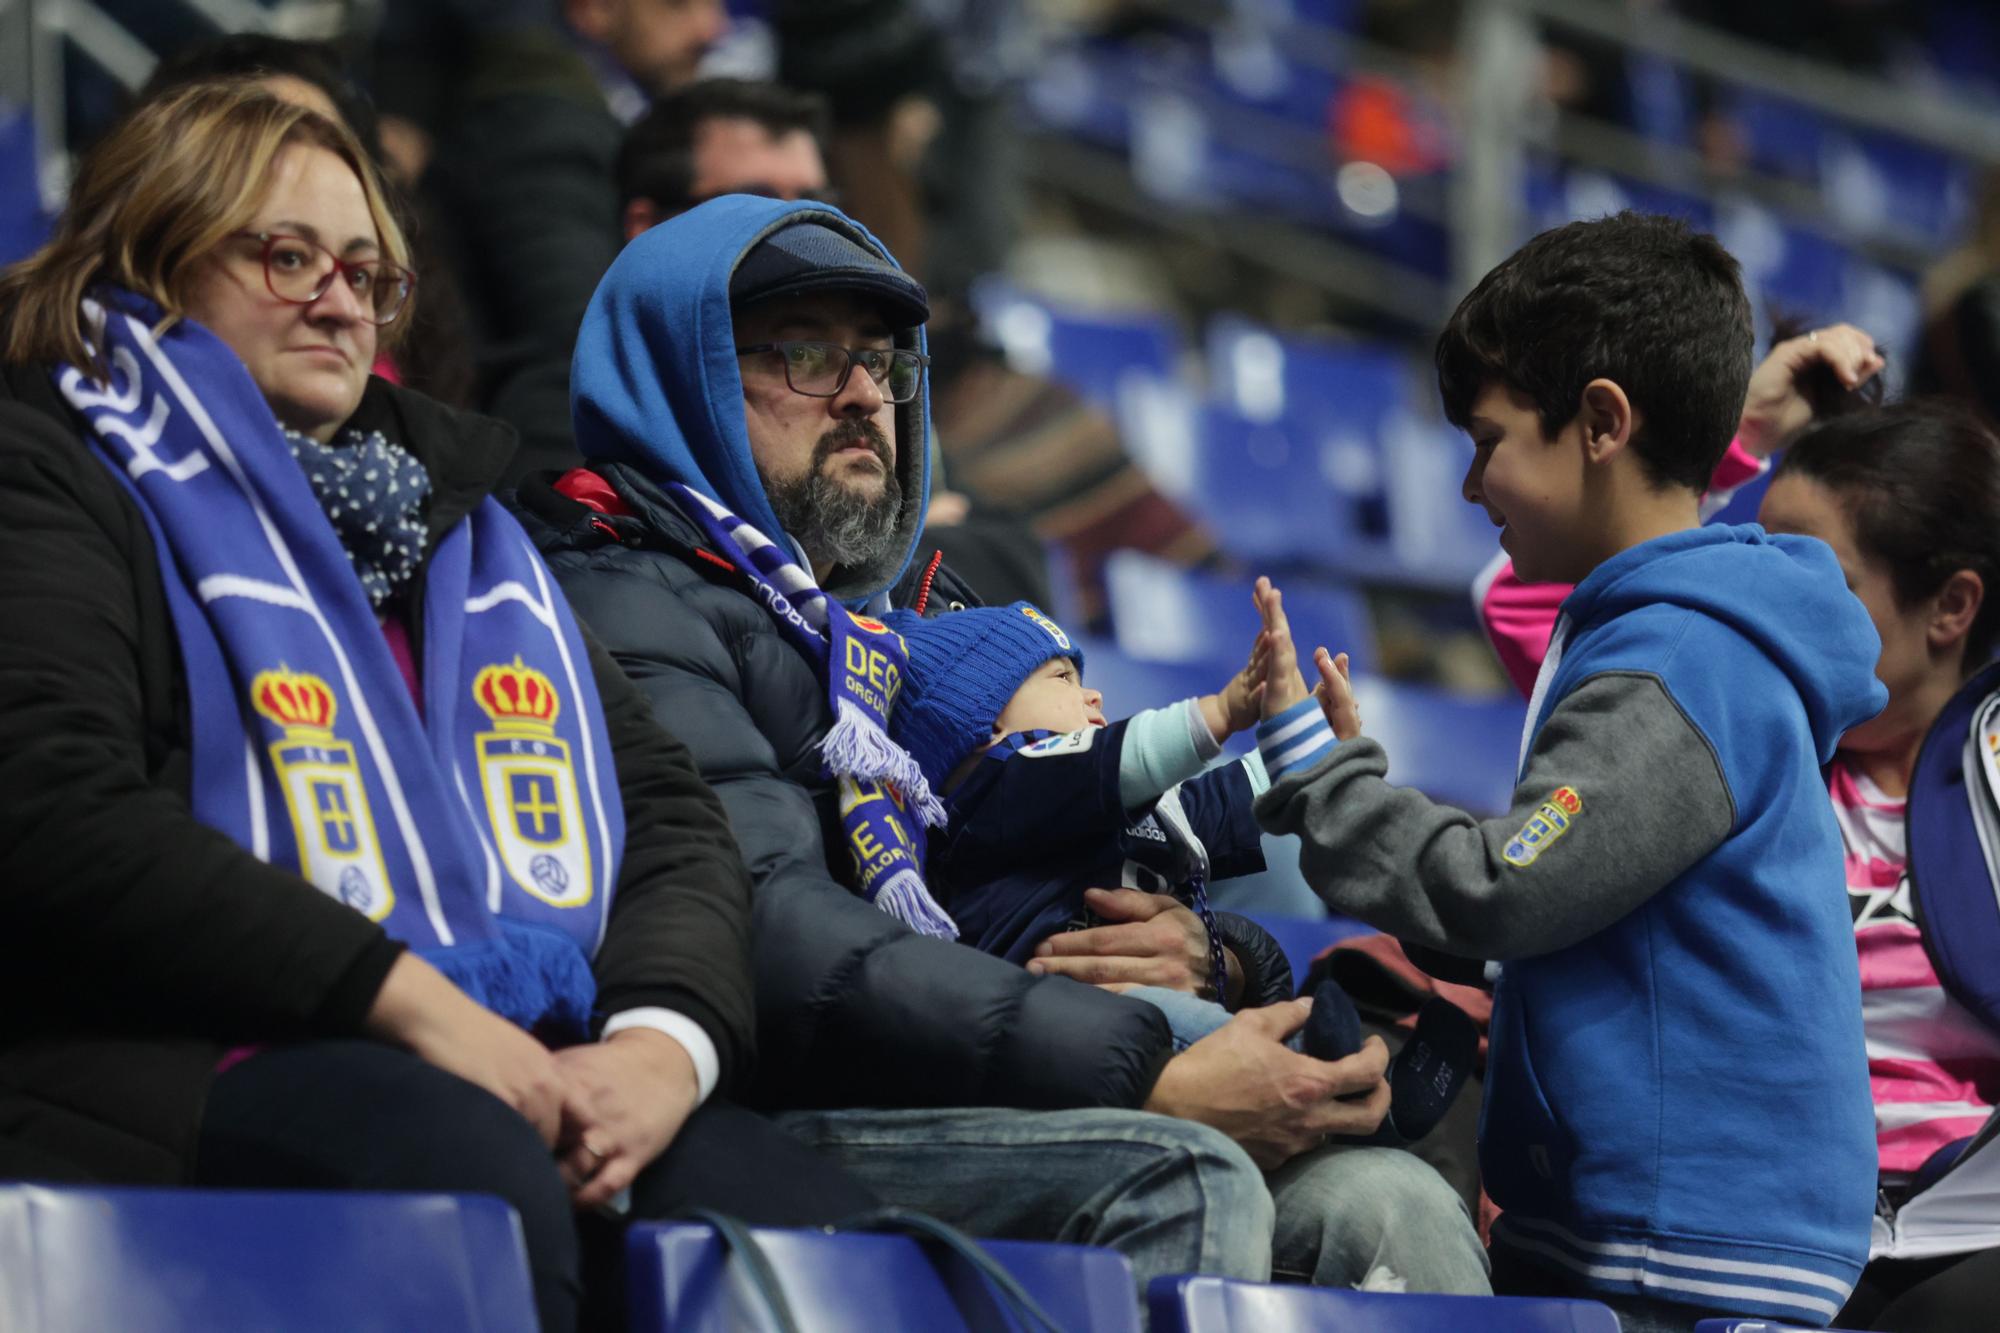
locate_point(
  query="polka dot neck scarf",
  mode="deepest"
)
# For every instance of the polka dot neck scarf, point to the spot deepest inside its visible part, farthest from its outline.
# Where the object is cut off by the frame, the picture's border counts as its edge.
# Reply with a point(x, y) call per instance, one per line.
point(373, 492)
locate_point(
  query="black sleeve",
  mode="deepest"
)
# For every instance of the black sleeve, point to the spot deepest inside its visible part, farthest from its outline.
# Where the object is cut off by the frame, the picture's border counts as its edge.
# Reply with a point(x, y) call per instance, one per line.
point(1221, 809)
point(853, 1008)
point(679, 935)
point(1267, 973)
point(108, 883)
point(527, 177)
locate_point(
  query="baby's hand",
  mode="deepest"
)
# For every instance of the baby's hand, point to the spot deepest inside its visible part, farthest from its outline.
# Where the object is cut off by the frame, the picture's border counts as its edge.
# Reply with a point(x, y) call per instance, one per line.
point(1234, 707)
point(1336, 695)
point(1283, 686)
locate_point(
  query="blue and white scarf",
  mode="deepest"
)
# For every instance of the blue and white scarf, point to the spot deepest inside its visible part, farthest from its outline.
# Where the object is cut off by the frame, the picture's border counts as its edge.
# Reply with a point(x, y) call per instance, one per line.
point(485, 833)
point(863, 663)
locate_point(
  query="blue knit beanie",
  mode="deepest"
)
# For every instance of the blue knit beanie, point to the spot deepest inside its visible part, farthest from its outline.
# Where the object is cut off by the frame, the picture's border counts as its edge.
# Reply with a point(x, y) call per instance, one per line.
point(964, 667)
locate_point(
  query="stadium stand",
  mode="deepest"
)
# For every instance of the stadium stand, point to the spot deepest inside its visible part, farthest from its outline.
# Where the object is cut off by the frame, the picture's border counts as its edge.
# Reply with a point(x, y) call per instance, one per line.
point(1316, 458)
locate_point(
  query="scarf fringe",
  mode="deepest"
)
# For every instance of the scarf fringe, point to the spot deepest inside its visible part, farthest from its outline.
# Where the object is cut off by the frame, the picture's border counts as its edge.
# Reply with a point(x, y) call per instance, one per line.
point(905, 898)
point(855, 747)
point(531, 976)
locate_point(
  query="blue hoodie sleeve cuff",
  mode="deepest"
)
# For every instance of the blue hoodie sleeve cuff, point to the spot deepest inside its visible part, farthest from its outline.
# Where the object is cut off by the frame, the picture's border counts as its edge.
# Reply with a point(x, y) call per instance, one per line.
point(1295, 739)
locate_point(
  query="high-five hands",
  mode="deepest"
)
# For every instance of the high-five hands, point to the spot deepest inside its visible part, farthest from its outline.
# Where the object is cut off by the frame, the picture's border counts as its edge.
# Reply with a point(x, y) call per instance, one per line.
point(1284, 687)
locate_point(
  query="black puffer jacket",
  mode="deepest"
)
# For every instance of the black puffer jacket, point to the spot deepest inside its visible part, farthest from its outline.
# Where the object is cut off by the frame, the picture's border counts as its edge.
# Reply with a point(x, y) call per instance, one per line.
point(854, 1009)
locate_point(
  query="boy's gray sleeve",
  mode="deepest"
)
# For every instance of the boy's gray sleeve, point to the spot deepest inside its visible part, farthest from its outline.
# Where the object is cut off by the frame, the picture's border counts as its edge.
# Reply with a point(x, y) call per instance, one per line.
point(1622, 794)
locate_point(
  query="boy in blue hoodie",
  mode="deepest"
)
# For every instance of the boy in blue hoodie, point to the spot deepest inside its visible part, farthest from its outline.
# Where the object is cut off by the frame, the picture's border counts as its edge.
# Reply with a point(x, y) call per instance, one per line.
point(1676, 1116)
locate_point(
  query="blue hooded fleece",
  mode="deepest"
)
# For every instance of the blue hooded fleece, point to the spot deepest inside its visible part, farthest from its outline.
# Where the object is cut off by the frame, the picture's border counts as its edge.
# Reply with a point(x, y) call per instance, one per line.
point(1677, 1101)
point(655, 382)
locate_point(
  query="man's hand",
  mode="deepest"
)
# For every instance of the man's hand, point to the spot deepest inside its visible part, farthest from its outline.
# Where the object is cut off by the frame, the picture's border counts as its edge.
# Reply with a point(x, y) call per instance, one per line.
point(1773, 407)
point(1336, 695)
point(1283, 686)
point(629, 1095)
point(418, 1007)
point(1272, 1100)
point(1155, 941)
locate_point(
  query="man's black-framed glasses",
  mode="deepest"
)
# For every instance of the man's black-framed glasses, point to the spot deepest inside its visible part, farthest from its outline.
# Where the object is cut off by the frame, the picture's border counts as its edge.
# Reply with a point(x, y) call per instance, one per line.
point(820, 369)
point(300, 271)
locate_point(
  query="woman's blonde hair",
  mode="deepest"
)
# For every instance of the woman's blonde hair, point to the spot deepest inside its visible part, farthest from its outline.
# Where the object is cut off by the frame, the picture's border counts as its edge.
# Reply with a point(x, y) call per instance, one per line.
point(171, 181)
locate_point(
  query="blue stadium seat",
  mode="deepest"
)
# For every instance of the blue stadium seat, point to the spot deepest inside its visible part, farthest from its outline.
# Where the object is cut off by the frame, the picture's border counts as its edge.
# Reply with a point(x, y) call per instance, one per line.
point(1163, 613)
point(1093, 353)
point(23, 225)
point(1222, 1305)
point(1294, 450)
point(1454, 748)
point(1435, 537)
point(168, 1261)
point(1130, 684)
point(680, 1279)
point(1305, 938)
point(1260, 486)
point(1755, 1325)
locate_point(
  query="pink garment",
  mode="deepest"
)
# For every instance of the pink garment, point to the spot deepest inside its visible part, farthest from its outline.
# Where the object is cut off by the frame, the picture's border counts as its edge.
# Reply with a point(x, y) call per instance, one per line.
point(400, 648)
point(1934, 1068)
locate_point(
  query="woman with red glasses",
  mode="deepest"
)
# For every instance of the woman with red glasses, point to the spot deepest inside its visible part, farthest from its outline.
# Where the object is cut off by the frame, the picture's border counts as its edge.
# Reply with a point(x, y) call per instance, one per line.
point(334, 853)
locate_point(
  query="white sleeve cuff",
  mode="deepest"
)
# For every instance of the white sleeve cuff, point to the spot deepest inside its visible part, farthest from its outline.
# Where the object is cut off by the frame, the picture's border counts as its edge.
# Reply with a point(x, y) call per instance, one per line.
point(700, 1049)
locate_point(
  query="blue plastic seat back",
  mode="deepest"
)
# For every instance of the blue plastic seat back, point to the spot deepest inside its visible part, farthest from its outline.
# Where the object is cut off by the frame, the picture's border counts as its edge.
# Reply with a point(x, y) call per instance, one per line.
point(1749, 1323)
point(1259, 486)
point(1161, 612)
point(1455, 748)
point(1306, 938)
point(1221, 1305)
point(679, 1278)
point(168, 1261)
point(1092, 352)
point(23, 225)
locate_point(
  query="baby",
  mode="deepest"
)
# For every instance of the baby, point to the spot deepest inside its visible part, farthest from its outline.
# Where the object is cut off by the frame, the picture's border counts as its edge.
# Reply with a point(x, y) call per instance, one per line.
point(1047, 799)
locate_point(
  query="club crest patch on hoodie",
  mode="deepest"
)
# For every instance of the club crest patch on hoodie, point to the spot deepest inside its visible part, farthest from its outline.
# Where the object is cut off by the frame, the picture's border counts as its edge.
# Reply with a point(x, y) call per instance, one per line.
point(1543, 827)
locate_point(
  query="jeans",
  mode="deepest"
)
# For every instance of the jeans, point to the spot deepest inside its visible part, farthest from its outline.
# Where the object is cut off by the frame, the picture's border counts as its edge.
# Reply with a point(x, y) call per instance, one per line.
point(1189, 1017)
point(1171, 1195)
point(1352, 1216)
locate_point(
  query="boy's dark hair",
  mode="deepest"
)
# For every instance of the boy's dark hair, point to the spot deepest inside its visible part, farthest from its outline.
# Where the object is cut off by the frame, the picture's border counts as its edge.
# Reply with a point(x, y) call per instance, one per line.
point(656, 161)
point(255, 55)
point(1921, 482)
point(1638, 299)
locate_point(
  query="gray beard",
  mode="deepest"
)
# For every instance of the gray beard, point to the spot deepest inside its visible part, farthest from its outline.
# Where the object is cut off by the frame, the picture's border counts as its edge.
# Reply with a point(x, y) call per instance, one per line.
point(837, 526)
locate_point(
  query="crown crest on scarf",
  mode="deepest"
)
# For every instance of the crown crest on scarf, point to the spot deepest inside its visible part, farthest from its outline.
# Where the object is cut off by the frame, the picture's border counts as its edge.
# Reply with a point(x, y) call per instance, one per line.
point(295, 700)
point(516, 696)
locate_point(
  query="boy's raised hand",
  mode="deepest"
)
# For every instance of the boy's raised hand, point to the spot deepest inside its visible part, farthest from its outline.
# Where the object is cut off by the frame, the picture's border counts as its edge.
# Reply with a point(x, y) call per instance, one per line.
point(1283, 685)
point(1336, 695)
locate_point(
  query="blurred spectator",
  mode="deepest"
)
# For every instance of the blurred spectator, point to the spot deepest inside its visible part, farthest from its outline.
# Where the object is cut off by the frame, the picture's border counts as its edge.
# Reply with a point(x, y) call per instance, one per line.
point(434, 354)
point(307, 74)
point(1959, 354)
point(648, 47)
point(721, 136)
